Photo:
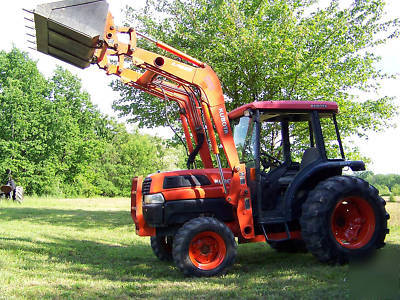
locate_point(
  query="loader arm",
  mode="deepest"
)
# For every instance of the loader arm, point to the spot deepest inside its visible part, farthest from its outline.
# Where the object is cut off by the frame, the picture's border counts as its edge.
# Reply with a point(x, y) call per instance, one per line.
point(192, 84)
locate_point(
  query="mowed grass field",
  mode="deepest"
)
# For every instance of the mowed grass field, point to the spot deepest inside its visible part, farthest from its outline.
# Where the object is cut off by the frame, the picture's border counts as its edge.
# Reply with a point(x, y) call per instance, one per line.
point(87, 248)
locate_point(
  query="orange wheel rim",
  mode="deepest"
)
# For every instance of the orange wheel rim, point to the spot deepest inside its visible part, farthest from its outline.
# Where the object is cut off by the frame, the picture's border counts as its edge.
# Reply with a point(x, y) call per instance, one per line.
point(207, 250)
point(353, 222)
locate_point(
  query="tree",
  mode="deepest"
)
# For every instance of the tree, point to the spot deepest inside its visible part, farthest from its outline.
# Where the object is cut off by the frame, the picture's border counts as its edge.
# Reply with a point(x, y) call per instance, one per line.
point(24, 116)
point(385, 183)
point(275, 50)
point(383, 190)
point(127, 155)
point(74, 139)
point(396, 190)
point(56, 142)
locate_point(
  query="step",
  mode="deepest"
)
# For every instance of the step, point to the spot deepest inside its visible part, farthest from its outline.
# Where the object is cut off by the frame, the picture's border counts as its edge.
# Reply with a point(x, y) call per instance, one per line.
point(271, 217)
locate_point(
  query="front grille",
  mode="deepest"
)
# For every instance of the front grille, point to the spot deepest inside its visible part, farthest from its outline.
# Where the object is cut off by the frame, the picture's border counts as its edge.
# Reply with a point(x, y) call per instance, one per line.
point(146, 186)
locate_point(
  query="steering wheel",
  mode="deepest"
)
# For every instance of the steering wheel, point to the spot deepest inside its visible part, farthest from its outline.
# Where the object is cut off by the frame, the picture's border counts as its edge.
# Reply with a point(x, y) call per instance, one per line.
point(271, 162)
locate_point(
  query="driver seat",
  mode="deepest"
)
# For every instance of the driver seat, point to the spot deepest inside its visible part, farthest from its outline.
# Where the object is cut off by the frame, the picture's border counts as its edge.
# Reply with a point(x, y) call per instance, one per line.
point(309, 156)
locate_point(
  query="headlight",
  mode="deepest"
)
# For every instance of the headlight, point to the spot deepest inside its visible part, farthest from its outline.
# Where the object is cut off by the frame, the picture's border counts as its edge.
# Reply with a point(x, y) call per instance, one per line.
point(154, 199)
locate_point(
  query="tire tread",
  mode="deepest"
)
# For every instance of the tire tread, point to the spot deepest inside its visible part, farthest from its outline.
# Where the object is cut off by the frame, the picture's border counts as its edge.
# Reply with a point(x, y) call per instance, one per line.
point(316, 208)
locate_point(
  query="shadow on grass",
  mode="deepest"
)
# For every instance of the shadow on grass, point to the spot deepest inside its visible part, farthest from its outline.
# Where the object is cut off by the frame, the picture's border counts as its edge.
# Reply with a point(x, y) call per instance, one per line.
point(63, 217)
point(134, 272)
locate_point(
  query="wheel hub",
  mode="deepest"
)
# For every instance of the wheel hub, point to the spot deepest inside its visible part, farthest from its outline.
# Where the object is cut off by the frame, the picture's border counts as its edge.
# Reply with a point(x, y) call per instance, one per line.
point(353, 222)
point(340, 221)
point(207, 250)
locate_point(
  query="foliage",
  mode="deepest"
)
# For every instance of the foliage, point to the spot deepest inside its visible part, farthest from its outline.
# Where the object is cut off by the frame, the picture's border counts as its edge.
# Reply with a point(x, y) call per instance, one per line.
point(383, 190)
point(56, 141)
point(275, 50)
point(127, 154)
point(396, 189)
point(392, 198)
point(388, 184)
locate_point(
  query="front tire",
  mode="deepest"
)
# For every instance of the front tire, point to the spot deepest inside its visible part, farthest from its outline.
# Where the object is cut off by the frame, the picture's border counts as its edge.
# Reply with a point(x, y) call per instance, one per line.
point(204, 247)
point(162, 247)
point(343, 219)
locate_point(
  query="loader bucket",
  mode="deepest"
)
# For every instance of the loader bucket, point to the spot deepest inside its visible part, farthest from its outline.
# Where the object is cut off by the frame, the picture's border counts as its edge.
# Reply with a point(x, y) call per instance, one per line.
point(70, 30)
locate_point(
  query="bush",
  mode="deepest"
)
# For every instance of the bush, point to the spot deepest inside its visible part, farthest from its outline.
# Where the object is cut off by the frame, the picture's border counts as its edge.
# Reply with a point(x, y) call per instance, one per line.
point(396, 190)
point(383, 190)
point(391, 198)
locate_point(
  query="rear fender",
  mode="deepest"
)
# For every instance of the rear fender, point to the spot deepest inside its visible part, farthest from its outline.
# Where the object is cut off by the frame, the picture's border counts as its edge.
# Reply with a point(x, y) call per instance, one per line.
point(308, 178)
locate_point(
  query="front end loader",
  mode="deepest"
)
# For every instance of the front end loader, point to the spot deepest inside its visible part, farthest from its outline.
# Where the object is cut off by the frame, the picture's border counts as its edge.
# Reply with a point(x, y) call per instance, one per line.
point(276, 187)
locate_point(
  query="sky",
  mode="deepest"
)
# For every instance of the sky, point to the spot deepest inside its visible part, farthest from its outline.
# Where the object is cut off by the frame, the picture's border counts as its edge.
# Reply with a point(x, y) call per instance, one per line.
point(381, 148)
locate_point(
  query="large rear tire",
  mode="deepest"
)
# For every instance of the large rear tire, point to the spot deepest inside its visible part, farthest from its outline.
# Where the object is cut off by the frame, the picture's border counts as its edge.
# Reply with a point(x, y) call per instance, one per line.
point(204, 247)
point(162, 247)
point(343, 219)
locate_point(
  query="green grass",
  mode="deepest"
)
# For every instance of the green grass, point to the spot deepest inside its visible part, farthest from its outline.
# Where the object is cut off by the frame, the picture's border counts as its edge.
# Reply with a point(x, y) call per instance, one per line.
point(87, 248)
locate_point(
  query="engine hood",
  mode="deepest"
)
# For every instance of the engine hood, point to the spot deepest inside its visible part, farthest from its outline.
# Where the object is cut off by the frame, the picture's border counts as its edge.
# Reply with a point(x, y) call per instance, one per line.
point(187, 184)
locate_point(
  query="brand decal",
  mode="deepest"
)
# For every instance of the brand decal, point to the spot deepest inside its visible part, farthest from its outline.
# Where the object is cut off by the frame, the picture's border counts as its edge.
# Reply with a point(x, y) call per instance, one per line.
point(219, 181)
point(319, 106)
point(223, 121)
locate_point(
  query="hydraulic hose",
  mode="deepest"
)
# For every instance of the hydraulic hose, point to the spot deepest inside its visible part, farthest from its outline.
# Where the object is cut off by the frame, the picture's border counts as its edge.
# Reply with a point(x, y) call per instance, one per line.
point(192, 156)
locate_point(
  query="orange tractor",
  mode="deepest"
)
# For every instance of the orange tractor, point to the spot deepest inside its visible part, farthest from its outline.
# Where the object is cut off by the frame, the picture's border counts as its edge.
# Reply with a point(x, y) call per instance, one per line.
point(275, 188)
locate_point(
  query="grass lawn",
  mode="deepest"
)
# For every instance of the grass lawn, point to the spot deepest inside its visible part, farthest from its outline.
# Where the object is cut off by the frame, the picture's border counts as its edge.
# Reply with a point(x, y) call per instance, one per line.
point(87, 248)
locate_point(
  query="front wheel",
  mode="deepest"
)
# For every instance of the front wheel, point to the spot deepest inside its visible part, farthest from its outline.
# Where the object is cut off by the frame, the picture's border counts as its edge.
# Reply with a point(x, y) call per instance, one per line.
point(162, 247)
point(343, 218)
point(204, 247)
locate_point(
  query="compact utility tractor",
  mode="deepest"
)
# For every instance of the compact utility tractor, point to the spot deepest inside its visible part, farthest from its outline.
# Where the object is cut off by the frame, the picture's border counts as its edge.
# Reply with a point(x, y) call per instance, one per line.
point(11, 191)
point(283, 182)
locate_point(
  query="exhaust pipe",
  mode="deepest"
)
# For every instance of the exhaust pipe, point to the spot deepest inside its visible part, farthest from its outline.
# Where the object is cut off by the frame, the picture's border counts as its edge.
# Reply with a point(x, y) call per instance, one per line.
point(71, 30)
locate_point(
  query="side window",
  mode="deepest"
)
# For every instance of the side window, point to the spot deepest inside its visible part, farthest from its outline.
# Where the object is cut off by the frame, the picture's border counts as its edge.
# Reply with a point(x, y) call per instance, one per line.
point(300, 139)
point(330, 138)
point(249, 153)
point(244, 137)
point(271, 140)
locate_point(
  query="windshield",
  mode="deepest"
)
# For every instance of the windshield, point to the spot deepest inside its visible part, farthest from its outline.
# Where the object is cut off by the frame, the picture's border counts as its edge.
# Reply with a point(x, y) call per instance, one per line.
point(245, 139)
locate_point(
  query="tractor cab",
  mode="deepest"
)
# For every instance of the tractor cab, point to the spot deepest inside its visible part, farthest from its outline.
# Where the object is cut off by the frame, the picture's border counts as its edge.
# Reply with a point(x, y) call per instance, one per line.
point(288, 148)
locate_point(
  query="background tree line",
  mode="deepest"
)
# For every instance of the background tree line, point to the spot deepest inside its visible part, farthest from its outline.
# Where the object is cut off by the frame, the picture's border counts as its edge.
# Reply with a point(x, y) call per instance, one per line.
point(276, 50)
point(387, 184)
point(56, 142)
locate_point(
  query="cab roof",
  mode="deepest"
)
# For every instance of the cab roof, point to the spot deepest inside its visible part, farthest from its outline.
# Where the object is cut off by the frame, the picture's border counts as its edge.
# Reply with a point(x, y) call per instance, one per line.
point(304, 106)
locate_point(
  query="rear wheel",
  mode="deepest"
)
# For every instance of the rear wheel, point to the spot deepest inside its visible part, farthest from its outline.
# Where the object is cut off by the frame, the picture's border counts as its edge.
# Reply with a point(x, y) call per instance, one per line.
point(204, 247)
point(162, 247)
point(343, 218)
point(290, 246)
